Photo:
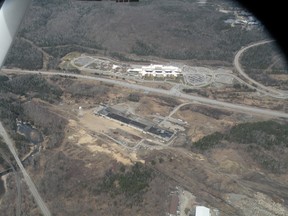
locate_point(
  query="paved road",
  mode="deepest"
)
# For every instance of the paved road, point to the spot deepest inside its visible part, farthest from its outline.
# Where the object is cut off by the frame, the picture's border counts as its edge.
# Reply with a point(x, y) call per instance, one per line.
point(173, 112)
point(203, 100)
point(18, 184)
point(270, 91)
point(26, 176)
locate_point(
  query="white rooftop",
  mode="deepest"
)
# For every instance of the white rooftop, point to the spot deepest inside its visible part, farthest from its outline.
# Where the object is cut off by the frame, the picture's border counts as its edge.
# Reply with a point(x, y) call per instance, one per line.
point(160, 67)
point(202, 211)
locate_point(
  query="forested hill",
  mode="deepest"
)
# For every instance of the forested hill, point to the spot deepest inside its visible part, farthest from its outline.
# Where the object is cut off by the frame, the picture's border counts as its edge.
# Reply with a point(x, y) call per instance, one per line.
point(174, 29)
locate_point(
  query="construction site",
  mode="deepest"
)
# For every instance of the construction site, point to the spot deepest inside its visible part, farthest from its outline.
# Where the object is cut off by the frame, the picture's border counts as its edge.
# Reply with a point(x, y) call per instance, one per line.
point(136, 122)
point(143, 133)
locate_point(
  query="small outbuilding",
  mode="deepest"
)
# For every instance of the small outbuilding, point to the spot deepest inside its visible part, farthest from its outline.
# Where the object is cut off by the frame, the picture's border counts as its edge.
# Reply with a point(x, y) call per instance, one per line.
point(202, 211)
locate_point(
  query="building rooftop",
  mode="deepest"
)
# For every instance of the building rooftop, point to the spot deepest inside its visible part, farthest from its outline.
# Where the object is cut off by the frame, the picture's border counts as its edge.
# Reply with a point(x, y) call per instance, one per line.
point(202, 211)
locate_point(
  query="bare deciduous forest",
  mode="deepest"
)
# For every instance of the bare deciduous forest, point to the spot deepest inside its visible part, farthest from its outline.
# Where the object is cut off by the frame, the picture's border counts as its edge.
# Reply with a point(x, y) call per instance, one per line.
point(169, 29)
point(89, 179)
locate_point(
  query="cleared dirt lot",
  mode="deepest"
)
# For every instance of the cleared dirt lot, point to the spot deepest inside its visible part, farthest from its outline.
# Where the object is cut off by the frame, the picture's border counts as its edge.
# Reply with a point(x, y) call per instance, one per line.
point(203, 120)
point(100, 124)
point(97, 144)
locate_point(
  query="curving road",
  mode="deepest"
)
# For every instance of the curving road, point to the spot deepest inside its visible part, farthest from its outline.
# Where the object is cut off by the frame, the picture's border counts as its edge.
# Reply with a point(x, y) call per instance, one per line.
point(26, 176)
point(270, 91)
point(174, 111)
point(203, 100)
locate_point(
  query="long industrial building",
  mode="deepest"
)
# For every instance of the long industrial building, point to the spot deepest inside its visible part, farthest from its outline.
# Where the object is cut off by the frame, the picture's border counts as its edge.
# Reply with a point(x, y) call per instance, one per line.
point(157, 71)
point(134, 121)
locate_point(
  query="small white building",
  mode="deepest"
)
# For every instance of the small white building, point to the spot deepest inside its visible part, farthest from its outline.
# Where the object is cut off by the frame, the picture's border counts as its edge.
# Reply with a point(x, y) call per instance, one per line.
point(202, 211)
point(157, 71)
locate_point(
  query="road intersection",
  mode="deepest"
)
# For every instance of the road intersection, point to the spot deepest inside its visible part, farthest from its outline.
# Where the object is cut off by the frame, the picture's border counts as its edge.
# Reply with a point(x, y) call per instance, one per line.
point(171, 93)
point(267, 90)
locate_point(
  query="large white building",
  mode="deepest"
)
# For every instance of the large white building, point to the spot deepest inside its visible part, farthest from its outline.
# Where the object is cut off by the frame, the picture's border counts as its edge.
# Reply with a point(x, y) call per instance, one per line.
point(157, 71)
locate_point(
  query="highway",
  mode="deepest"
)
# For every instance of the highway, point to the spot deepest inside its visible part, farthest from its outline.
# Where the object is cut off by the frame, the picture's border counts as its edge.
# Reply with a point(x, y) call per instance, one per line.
point(176, 94)
point(270, 91)
point(38, 199)
point(17, 181)
point(256, 86)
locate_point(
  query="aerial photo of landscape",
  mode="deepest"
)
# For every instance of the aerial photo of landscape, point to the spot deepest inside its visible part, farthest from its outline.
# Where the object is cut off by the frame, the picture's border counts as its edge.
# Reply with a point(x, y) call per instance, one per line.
point(143, 108)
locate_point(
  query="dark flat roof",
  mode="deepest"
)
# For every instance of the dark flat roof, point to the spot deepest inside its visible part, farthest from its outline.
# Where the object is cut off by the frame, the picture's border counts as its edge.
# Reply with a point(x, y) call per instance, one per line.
point(117, 115)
